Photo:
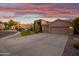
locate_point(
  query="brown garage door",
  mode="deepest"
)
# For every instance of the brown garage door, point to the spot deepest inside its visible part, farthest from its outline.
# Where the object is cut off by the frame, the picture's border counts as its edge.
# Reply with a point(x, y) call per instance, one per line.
point(61, 30)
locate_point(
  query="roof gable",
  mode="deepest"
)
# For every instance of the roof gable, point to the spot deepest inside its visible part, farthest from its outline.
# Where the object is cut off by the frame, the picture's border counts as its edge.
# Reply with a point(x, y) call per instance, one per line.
point(61, 21)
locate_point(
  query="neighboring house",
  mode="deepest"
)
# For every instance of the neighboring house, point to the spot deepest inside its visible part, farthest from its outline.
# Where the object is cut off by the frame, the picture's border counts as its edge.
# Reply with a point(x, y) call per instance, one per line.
point(58, 26)
point(16, 26)
point(2, 26)
point(24, 26)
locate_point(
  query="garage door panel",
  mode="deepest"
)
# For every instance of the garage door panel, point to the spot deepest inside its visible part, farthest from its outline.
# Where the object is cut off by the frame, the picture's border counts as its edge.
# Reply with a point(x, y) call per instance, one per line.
point(60, 30)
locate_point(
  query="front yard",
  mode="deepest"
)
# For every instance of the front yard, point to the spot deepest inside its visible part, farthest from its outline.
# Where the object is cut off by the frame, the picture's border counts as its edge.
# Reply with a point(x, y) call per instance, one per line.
point(25, 33)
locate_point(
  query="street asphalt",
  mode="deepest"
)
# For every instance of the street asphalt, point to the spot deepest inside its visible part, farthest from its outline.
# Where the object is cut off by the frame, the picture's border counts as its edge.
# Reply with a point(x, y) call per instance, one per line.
point(3, 33)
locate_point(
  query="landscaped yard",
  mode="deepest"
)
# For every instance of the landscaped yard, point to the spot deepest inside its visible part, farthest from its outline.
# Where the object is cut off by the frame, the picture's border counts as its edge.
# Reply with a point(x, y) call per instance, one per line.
point(25, 33)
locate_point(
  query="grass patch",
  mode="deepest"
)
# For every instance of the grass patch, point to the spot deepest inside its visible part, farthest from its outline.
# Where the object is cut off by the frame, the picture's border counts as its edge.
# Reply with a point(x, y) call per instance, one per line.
point(25, 33)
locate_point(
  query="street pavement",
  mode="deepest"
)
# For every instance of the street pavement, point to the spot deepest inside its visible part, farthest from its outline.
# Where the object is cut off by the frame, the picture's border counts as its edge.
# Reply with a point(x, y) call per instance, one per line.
point(3, 33)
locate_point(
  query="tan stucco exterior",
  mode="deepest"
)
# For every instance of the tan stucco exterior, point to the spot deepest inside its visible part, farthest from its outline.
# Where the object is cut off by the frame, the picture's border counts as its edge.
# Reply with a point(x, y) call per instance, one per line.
point(58, 26)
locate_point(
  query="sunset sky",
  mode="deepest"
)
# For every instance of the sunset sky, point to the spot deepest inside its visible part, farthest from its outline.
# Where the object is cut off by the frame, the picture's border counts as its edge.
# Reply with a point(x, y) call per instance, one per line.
point(28, 12)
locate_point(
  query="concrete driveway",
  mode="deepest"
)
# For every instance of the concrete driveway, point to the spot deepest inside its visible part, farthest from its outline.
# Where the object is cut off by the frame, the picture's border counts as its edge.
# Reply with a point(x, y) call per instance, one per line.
point(42, 44)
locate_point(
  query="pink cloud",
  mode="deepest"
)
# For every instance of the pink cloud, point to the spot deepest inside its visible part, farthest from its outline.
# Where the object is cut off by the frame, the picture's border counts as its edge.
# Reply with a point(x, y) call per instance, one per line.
point(6, 17)
point(47, 9)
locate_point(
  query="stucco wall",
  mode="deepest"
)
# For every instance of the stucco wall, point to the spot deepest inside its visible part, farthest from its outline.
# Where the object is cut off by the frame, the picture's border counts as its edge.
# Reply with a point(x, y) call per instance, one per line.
point(58, 26)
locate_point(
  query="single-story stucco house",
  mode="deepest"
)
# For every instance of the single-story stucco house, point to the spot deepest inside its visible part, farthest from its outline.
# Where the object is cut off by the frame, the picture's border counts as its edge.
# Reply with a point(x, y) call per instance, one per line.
point(58, 26)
